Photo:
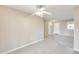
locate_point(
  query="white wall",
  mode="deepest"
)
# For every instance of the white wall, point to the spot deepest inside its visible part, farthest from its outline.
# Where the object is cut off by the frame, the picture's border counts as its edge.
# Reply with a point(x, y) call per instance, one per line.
point(56, 28)
point(18, 28)
point(76, 32)
point(50, 28)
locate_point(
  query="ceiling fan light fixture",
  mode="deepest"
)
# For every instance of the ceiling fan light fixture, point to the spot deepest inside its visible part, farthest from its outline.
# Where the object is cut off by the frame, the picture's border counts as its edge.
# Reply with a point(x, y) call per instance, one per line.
point(41, 11)
point(39, 14)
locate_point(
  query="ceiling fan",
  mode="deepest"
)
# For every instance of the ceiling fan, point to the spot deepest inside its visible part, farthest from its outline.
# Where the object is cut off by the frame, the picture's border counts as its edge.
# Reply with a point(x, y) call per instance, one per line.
point(40, 11)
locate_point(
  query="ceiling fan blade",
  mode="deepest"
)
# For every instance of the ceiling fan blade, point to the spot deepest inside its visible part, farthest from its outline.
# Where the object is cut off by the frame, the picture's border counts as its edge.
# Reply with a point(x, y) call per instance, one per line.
point(42, 9)
point(47, 12)
point(39, 10)
point(38, 14)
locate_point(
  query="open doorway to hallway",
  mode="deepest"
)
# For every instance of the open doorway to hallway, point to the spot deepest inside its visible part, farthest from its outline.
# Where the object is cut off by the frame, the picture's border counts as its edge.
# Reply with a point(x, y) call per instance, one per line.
point(64, 29)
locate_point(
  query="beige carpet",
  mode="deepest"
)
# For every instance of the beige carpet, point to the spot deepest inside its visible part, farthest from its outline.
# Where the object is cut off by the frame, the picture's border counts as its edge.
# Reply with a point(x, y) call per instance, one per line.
point(51, 45)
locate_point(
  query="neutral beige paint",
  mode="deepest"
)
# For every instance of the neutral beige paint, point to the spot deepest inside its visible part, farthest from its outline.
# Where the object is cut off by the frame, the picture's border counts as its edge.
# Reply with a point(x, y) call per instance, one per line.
point(48, 28)
point(18, 28)
point(76, 31)
point(45, 28)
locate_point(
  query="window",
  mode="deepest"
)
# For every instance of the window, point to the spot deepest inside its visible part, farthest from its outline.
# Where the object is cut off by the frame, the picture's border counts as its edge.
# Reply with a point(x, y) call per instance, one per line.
point(70, 26)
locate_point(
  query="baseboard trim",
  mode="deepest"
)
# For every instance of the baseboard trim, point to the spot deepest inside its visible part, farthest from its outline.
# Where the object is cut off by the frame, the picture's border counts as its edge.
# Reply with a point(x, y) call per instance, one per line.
point(21, 47)
point(77, 50)
point(63, 34)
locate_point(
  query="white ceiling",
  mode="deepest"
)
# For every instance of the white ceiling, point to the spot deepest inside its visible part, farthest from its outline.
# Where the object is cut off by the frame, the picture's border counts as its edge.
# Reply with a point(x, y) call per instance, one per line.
point(59, 12)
